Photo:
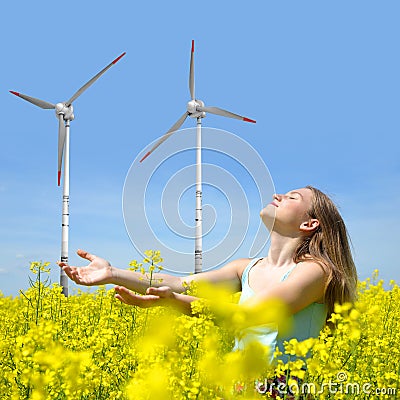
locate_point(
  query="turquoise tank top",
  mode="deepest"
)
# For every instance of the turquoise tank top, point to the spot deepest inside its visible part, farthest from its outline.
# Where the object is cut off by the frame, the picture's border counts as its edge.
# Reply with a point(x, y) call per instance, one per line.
point(306, 323)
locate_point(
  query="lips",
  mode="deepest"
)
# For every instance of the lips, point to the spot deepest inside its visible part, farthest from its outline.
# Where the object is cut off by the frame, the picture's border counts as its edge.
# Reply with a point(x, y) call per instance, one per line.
point(273, 204)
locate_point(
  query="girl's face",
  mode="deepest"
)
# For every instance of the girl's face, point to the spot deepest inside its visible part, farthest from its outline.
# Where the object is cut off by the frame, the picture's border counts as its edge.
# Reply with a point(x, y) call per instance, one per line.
point(288, 211)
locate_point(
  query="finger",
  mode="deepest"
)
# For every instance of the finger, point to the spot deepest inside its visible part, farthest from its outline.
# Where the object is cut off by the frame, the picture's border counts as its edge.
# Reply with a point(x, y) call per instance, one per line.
point(68, 270)
point(121, 299)
point(150, 290)
point(125, 295)
point(73, 273)
point(137, 300)
point(162, 291)
point(128, 297)
point(86, 255)
point(122, 289)
point(61, 264)
point(153, 290)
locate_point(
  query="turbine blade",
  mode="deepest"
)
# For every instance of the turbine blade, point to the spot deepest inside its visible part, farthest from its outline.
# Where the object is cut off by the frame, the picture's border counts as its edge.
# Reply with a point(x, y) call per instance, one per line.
point(61, 143)
point(224, 113)
point(33, 100)
point(172, 130)
point(191, 73)
point(94, 79)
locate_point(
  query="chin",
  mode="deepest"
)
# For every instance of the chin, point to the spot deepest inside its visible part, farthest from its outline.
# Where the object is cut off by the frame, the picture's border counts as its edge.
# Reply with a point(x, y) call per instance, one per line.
point(269, 211)
point(267, 215)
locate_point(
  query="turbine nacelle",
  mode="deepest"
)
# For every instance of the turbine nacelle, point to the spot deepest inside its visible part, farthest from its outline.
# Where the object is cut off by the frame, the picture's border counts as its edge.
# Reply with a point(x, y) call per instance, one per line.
point(192, 109)
point(66, 111)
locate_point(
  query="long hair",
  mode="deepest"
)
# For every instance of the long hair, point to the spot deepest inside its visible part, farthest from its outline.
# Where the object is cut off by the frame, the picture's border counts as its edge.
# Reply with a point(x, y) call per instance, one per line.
point(329, 245)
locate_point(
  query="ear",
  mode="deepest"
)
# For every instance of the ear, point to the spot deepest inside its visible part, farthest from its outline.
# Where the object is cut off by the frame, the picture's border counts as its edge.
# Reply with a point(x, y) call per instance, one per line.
point(310, 225)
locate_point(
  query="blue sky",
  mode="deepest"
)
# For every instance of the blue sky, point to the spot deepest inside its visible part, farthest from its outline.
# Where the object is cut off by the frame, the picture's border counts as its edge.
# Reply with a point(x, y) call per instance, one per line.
point(320, 78)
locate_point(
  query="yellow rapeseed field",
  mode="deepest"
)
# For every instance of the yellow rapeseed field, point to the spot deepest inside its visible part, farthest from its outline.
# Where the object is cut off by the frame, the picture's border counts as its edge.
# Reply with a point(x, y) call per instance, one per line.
point(91, 346)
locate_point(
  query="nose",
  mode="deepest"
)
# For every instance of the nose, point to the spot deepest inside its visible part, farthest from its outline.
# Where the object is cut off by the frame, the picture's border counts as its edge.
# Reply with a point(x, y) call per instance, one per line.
point(277, 196)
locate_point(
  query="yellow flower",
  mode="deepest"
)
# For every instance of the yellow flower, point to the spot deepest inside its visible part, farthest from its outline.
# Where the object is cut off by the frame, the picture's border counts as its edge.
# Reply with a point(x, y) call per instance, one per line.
point(89, 345)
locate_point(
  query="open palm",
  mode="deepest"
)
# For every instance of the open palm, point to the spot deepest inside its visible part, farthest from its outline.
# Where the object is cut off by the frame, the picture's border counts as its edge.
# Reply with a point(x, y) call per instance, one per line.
point(155, 296)
point(98, 272)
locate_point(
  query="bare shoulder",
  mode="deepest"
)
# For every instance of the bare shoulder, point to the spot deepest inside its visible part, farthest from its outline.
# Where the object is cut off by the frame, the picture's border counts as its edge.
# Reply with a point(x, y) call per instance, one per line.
point(239, 265)
point(235, 267)
point(310, 270)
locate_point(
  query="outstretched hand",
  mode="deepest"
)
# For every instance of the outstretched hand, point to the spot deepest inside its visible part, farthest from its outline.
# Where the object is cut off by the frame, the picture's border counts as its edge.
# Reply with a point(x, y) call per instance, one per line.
point(98, 272)
point(154, 296)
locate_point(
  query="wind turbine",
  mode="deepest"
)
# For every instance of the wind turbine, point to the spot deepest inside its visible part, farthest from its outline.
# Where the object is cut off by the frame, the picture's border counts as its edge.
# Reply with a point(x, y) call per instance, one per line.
point(64, 114)
point(196, 109)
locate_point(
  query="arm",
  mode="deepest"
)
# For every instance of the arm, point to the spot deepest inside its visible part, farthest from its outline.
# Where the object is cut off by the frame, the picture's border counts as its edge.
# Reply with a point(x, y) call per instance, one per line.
point(305, 285)
point(100, 272)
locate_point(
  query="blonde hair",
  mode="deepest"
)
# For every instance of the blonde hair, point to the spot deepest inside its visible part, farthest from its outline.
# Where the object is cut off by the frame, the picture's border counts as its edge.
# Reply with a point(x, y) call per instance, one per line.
point(329, 245)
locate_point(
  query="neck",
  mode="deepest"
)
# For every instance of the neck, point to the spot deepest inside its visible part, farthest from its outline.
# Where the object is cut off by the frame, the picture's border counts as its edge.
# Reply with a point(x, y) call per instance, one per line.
point(281, 250)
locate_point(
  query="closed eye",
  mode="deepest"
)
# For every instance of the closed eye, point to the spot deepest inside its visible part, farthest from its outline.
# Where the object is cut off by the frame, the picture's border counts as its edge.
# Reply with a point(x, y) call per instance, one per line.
point(294, 195)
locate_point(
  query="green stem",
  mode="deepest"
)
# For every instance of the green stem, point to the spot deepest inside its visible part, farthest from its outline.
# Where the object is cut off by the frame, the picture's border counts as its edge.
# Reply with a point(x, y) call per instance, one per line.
point(38, 298)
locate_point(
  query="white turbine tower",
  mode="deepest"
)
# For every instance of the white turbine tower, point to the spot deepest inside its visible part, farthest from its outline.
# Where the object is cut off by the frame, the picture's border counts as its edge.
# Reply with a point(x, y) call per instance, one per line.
point(196, 109)
point(64, 114)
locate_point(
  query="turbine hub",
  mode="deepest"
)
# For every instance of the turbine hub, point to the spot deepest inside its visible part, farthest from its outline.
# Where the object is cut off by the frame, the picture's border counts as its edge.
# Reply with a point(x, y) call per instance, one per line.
point(193, 111)
point(67, 112)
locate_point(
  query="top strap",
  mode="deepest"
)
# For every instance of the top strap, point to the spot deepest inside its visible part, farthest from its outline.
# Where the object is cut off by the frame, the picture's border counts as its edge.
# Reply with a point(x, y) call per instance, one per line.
point(245, 274)
point(285, 276)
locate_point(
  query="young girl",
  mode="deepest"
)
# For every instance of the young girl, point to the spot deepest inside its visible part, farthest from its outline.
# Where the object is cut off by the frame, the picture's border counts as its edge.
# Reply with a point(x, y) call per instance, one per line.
point(309, 267)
